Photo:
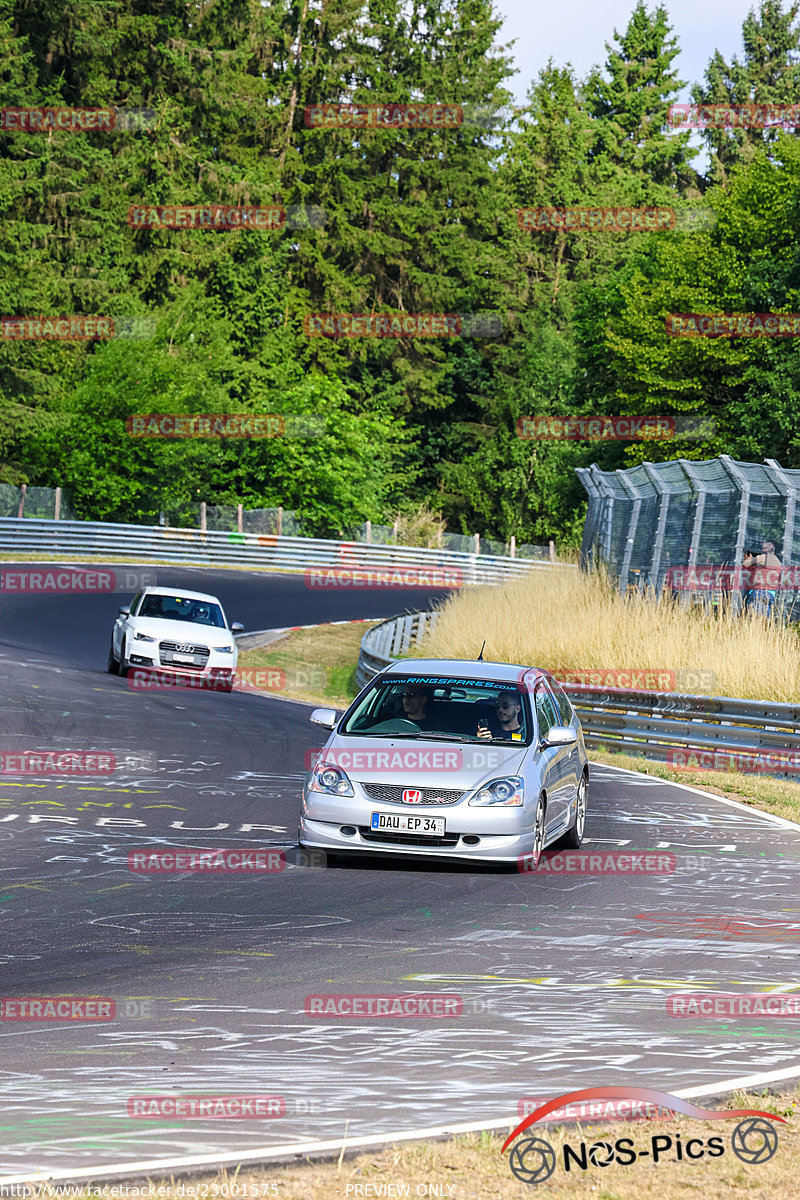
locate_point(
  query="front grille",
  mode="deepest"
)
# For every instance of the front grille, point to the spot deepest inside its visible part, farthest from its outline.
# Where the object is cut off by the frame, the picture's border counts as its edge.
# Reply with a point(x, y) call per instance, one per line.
point(200, 655)
point(407, 839)
point(393, 794)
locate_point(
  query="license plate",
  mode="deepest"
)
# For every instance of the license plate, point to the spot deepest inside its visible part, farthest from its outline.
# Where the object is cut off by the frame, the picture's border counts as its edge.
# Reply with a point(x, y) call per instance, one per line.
point(405, 823)
point(183, 658)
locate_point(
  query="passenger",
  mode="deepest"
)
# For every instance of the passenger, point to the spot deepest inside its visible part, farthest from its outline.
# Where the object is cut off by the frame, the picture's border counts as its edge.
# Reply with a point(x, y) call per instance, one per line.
point(506, 723)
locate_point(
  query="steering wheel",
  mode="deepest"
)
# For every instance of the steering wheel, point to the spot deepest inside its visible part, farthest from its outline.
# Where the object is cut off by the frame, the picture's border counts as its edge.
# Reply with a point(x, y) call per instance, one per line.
point(395, 725)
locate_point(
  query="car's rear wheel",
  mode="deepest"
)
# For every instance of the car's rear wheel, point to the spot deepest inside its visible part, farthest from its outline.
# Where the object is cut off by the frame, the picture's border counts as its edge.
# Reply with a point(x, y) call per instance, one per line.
point(112, 666)
point(574, 837)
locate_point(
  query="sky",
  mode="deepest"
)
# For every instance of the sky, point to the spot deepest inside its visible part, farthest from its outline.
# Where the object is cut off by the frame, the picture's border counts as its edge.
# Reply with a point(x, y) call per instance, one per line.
point(576, 31)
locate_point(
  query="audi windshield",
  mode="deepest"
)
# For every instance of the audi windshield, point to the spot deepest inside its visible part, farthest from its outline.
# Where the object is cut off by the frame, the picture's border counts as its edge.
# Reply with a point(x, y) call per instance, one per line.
point(182, 608)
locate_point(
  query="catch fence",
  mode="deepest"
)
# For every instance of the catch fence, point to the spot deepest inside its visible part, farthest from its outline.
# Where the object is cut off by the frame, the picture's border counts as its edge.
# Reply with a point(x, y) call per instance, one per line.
point(654, 522)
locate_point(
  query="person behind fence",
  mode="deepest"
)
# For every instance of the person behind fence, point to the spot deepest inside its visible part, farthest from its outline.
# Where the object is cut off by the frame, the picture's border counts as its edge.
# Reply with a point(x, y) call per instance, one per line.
point(766, 569)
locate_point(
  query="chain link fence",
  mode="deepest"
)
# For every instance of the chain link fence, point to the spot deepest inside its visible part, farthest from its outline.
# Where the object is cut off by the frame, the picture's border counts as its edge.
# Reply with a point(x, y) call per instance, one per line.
point(687, 526)
point(53, 504)
point(46, 504)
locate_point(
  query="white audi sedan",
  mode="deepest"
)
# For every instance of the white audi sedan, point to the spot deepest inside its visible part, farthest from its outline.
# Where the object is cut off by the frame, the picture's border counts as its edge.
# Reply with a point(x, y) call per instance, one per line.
point(450, 758)
point(182, 633)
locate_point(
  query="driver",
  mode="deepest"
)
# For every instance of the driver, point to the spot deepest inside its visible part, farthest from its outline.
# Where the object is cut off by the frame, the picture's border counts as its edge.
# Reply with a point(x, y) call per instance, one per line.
point(417, 703)
point(506, 723)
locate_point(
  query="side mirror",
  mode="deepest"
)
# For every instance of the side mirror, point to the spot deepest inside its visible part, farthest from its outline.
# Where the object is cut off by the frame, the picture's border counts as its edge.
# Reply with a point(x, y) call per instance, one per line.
point(125, 610)
point(237, 627)
point(560, 735)
point(326, 717)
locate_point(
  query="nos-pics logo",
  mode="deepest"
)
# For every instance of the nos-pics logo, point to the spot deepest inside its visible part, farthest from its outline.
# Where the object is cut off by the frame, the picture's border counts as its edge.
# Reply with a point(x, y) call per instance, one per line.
point(533, 1160)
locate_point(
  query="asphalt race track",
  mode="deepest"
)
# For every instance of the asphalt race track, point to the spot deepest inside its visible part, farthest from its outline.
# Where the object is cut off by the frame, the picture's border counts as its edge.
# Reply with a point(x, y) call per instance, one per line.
point(564, 979)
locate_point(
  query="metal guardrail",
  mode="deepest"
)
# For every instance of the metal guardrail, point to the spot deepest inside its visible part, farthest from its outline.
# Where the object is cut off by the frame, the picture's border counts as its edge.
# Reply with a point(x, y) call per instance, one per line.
point(665, 726)
point(386, 642)
point(139, 543)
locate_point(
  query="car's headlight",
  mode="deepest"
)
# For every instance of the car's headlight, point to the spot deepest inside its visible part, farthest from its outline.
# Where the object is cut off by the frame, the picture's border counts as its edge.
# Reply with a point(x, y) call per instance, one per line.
point(142, 637)
point(331, 780)
point(508, 792)
point(224, 649)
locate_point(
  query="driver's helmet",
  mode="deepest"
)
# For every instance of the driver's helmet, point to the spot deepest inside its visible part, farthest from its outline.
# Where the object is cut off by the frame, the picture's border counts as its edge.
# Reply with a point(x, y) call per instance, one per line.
point(202, 613)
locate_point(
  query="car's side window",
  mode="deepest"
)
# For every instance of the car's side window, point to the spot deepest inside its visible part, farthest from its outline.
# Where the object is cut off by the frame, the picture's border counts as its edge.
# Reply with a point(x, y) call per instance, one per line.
point(135, 603)
point(545, 711)
point(564, 706)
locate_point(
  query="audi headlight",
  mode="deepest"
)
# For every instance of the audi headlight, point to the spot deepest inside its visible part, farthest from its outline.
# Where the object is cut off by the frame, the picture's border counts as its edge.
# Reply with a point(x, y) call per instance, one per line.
point(331, 780)
point(508, 792)
point(142, 637)
point(224, 649)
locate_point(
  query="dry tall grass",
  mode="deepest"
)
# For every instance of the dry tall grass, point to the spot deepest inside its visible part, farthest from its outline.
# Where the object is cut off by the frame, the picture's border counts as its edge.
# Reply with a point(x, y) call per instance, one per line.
point(564, 618)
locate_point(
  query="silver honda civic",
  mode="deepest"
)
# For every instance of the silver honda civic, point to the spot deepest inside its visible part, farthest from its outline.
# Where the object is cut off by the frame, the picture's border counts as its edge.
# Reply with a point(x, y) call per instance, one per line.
point(450, 758)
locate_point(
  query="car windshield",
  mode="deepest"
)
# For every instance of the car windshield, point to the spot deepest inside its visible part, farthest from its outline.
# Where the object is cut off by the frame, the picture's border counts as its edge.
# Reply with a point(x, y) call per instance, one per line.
point(433, 707)
point(182, 608)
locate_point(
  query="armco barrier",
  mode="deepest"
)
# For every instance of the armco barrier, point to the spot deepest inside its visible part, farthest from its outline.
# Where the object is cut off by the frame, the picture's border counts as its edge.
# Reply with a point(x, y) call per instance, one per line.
point(657, 725)
point(138, 543)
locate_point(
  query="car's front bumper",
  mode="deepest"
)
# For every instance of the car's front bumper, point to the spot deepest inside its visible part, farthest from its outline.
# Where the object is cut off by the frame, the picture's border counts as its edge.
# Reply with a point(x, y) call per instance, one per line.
point(473, 832)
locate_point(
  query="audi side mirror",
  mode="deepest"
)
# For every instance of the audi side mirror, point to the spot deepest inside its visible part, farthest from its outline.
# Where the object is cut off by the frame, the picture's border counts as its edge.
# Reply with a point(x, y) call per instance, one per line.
point(125, 610)
point(237, 627)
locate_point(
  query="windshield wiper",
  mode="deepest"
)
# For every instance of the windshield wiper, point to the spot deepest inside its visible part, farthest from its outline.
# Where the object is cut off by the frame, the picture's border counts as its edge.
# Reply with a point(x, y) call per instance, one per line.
point(446, 737)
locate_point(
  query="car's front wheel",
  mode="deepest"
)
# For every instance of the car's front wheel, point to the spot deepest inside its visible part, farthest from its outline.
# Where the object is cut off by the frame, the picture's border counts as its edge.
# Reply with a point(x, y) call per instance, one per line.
point(574, 837)
point(124, 665)
point(112, 666)
point(538, 835)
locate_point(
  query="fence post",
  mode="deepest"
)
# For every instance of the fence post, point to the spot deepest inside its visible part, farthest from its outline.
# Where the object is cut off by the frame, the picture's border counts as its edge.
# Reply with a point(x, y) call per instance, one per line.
point(57, 516)
point(512, 549)
point(240, 517)
point(394, 531)
point(741, 480)
point(280, 520)
point(477, 543)
point(22, 490)
point(368, 535)
point(203, 525)
point(552, 547)
point(697, 524)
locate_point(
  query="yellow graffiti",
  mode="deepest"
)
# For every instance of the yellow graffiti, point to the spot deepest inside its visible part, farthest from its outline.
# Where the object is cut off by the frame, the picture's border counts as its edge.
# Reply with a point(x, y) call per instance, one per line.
point(623, 984)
